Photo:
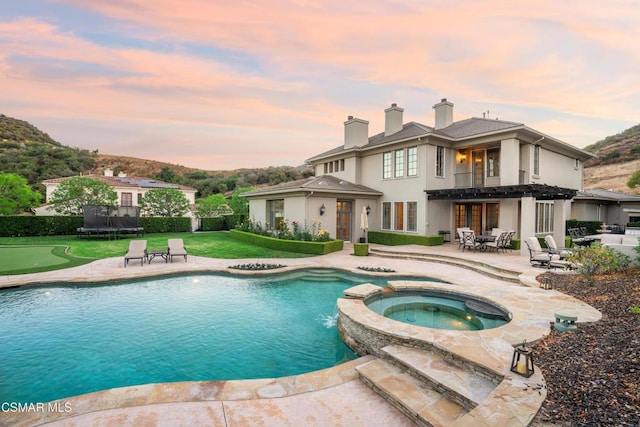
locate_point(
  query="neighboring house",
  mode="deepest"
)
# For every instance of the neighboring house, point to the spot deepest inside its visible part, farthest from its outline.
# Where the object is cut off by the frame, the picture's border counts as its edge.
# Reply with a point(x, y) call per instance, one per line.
point(130, 190)
point(610, 207)
point(478, 172)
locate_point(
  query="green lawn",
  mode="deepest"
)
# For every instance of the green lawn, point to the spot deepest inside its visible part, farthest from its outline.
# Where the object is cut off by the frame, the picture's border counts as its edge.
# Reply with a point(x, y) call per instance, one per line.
point(213, 245)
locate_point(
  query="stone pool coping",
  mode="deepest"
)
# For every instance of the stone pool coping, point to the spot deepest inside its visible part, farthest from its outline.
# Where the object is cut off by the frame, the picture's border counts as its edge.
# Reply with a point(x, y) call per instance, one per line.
point(532, 307)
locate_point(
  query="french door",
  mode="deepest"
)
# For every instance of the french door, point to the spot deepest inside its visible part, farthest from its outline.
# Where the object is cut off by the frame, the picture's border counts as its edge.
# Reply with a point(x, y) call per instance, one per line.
point(344, 219)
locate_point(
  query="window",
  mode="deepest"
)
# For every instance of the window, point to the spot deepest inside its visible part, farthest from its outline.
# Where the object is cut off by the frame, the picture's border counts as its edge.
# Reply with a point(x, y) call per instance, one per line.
point(576, 164)
point(544, 217)
point(326, 167)
point(493, 163)
point(139, 199)
point(126, 199)
point(330, 167)
point(536, 160)
point(493, 212)
point(341, 164)
point(386, 215)
point(275, 213)
point(386, 165)
point(399, 170)
point(412, 216)
point(412, 161)
point(439, 161)
point(399, 216)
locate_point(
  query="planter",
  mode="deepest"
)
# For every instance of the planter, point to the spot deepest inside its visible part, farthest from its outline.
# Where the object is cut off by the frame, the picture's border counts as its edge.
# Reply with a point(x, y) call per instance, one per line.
point(361, 249)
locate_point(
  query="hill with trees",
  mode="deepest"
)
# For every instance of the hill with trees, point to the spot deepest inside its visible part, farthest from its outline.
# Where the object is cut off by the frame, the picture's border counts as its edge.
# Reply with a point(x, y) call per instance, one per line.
point(31, 153)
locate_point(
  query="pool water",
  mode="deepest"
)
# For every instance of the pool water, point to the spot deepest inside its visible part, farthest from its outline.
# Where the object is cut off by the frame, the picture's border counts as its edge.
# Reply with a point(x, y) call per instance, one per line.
point(59, 341)
point(433, 311)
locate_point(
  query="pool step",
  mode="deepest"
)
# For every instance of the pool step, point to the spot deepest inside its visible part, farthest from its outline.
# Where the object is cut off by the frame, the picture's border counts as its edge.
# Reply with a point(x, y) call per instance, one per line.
point(422, 404)
point(480, 267)
point(462, 385)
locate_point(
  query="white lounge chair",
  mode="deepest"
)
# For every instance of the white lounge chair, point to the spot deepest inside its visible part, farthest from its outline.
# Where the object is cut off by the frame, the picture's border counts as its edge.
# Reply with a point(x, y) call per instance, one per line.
point(469, 240)
point(538, 256)
point(176, 248)
point(554, 249)
point(137, 250)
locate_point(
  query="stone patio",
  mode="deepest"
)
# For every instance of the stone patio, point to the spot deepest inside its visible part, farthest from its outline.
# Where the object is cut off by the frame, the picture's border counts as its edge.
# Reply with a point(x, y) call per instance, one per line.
point(335, 396)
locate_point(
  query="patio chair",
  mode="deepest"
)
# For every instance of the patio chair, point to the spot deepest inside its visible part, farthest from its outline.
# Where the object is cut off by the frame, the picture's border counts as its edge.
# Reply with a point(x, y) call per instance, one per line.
point(469, 240)
point(554, 249)
point(459, 231)
point(176, 248)
point(137, 250)
point(538, 257)
point(499, 243)
point(507, 240)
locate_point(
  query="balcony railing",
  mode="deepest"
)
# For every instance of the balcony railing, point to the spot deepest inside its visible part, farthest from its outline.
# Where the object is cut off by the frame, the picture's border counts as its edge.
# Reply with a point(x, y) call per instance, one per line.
point(469, 180)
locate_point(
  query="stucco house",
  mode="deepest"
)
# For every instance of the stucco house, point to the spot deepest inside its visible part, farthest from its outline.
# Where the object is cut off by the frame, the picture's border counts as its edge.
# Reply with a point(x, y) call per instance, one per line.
point(610, 207)
point(415, 178)
point(129, 189)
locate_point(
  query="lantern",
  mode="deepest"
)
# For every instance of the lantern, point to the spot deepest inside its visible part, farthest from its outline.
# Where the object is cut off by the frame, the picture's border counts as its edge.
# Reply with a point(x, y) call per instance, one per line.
point(522, 361)
point(545, 283)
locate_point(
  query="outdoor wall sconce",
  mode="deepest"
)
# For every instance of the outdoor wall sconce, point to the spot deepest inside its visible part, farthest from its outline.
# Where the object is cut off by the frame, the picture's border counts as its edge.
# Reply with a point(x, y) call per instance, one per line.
point(522, 361)
point(322, 210)
point(462, 155)
point(368, 209)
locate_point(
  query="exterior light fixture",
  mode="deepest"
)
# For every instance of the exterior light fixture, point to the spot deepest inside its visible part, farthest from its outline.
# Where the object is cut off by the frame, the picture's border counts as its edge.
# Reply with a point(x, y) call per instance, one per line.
point(462, 155)
point(522, 361)
point(322, 210)
point(368, 209)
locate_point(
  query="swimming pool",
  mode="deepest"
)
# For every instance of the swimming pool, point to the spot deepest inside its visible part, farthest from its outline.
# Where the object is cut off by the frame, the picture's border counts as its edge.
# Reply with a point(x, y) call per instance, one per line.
point(64, 340)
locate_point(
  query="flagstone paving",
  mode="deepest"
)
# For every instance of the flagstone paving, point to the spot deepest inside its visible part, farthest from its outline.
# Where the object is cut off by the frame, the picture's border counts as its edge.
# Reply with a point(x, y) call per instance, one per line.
point(339, 395)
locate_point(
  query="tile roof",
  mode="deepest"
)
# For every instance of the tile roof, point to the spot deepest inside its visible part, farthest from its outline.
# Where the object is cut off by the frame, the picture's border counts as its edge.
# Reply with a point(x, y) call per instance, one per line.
point(602, 194)
point(457, 130)
point(320, 184)
point(126, 181)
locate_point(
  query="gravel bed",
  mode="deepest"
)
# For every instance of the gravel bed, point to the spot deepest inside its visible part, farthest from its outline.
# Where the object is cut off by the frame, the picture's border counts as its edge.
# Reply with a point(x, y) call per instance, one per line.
point(593, 374)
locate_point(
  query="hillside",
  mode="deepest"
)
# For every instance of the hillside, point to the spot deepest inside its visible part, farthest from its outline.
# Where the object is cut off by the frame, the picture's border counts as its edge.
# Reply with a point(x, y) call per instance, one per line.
point(31, 153)
point(618, 158)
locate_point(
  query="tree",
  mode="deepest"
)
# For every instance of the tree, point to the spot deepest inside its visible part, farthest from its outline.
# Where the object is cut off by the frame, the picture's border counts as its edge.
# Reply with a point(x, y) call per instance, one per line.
point(634, 181)
point(74, 192)
point(239, 204)
point(168, 175)
point(210, 207)
point(16, 196)
point(165, 202)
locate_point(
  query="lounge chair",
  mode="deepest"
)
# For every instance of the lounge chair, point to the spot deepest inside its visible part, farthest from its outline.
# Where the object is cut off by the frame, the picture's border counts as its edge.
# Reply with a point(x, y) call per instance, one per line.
point(554, 249)
point(176, 248)
point(137, 250)
point(538, 256)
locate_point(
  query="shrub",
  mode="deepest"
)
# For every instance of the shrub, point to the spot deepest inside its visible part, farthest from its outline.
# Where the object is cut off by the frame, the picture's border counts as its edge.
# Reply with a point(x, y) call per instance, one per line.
point(394, 239)
point(285, 232)
point(597, 259)
point(361, 249)
point(56, 225)
point(164, 224)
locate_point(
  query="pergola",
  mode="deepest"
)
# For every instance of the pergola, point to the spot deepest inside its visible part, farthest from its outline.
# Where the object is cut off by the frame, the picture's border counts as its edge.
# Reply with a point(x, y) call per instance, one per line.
point(537, 191)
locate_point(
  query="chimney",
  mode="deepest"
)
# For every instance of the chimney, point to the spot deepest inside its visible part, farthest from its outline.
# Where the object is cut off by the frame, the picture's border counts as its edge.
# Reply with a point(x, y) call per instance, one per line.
point(356, 132)
point(108, 172)
point(444, 114)
point(392, 119)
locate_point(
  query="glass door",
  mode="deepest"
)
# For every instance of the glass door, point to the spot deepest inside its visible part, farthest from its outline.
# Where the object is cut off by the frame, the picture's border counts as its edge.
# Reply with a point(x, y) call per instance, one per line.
point(343, 220)
point(478, 168)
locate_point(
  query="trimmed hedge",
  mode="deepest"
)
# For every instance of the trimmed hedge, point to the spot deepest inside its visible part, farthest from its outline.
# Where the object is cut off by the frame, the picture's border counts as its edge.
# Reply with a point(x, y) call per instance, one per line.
point(58, 225)
point(297, 246)
point(18, 226)
point(165, 224)
point(395, 239)
point(633, 224)
point(592, 226)
point(222, 223)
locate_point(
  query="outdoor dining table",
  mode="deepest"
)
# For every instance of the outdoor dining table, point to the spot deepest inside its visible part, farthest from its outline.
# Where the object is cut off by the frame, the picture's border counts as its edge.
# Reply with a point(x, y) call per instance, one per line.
point(483, 239)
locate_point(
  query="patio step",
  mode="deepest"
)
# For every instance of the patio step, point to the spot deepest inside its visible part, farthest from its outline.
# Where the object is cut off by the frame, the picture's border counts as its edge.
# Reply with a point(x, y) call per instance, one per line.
point(463, 385)
point(422, 404)
point(479, 266)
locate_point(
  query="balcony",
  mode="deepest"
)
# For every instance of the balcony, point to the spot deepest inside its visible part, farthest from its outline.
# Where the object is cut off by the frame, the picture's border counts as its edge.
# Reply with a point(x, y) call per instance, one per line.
point(471, 180)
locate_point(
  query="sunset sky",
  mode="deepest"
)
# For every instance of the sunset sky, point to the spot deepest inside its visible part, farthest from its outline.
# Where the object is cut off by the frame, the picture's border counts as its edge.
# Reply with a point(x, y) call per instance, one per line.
point(221, 85)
